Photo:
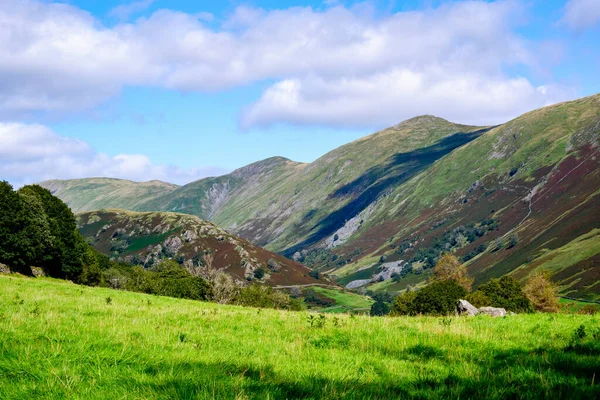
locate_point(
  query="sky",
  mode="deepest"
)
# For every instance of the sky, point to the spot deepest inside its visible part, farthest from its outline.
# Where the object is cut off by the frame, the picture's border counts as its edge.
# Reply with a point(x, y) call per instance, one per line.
point(179, 90)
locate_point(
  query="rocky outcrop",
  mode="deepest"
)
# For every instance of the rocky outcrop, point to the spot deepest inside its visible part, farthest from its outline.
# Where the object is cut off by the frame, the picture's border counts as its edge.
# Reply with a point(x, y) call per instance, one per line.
point(493, 311)
point(463, 307)
point(357, 283)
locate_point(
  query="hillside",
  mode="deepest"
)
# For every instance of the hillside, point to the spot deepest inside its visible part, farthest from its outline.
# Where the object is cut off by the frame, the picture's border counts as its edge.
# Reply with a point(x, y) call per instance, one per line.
point(523, 196)
point(60, 340)
point(147, 237)
point(97, 193)
point(377, 212)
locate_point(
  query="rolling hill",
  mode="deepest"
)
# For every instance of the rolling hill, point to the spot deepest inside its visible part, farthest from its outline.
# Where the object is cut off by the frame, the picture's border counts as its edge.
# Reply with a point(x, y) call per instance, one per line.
point(507, 199)
point(146, 238)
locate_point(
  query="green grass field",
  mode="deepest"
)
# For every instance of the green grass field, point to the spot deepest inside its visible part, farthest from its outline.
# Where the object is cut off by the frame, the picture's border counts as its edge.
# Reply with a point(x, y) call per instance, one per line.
point(61, 340)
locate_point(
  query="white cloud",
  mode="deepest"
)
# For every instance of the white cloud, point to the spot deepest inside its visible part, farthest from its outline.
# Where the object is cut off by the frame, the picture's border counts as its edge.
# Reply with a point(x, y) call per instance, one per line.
point(55, 57)
point(124, 11)
point(33, 153)
point(581, 14)
point(398, 94)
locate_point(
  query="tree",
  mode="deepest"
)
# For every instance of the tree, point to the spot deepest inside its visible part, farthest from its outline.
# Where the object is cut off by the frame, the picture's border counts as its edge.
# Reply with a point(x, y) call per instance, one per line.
point(379, 309)
point(404, 304)
point(64, 258)
point(448, 267)
point(21, 236)
point(506, 292)
point(439, 298)
point(478, 299)
point(513, 240)
point(542, 293)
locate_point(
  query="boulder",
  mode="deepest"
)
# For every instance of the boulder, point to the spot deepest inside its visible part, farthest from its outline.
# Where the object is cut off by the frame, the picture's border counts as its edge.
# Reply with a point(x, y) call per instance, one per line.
point(463, 307)
point(493, 311)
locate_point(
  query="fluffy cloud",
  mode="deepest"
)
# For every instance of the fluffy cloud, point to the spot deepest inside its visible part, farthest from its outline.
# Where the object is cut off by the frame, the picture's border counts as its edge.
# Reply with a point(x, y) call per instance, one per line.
point(33, 153)
point(582, 14)
point(399, 94)
point(55, 57)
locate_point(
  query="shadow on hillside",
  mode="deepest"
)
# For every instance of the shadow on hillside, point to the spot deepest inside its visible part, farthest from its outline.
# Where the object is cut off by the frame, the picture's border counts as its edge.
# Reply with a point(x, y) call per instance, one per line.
point(518, 374)
point(364, 190)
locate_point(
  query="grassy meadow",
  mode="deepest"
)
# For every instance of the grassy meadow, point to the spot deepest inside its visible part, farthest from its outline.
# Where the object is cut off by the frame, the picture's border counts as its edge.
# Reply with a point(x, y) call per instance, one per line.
point(61, 340)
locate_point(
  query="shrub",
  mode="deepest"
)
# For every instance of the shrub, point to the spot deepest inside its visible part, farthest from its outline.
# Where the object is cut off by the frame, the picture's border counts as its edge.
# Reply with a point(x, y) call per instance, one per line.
point(379, 309)
point(589, 309)
point(404, 304)
point(513, 240)
point(259, 273)
point(448, 267)
point(542, 293)
point(439, 298)
point(506, 293)
point(314, 274)
point(478, 299)
point(264, 297)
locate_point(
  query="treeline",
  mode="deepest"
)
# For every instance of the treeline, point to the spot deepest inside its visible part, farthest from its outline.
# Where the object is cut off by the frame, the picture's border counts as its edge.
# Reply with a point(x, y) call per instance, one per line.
point(39, 230)
point(450, 282)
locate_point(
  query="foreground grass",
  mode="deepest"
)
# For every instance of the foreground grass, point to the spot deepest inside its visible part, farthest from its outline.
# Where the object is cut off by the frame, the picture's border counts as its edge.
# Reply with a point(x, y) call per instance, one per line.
point(60, 340)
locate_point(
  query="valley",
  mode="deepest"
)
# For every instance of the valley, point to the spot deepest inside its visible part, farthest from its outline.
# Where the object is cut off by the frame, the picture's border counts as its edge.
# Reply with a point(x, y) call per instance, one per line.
point(507, 199)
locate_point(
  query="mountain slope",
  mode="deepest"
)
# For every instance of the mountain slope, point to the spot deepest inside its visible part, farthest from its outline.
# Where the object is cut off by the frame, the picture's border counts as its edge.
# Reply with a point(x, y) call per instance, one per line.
point(146, 238)
point(537, 177)
point(279, 203)
point(507, 199)
point(97, 193)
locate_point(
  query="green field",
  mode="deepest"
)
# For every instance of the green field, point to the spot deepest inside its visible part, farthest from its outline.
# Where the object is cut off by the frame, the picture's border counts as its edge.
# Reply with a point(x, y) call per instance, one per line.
point(345, 301)
point(61, 340)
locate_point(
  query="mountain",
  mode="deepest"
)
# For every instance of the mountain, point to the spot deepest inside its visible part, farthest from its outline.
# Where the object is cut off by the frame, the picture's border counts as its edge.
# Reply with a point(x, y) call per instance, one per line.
point(147, 237)
point(507, 199)
point(97, 193)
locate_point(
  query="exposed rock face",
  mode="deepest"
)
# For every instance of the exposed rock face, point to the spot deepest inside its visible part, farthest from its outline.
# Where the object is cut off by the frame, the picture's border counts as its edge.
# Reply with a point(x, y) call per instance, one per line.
point(463, 307)
point(357, 283)
point(388, 270)
point(493, 311)
point(173, 244)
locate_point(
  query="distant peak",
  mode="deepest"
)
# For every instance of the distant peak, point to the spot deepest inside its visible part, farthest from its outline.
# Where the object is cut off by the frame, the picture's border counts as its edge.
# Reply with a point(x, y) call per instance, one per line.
point(423, 119)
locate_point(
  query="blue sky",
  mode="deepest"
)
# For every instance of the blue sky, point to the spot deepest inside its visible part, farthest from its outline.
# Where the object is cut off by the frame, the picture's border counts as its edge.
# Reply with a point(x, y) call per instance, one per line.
point(178, 90)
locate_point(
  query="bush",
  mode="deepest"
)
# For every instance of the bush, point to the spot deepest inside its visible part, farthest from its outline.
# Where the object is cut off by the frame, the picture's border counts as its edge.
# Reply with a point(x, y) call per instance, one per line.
point(439, 298)
point(265, 297)
point(589, 309)
point(259, 273)
point(542, 293)
point(404, 304)
point(506, 293)
point(379, 309)
point(314, 274)
point(478, 299)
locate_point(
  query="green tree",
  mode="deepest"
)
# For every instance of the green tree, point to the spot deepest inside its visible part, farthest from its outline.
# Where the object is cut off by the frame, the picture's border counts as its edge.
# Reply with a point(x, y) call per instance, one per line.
point(64, 258)
point(379, 309)
point(23, 231)
point(404, 304)
point(439, 298)
point(506, 292)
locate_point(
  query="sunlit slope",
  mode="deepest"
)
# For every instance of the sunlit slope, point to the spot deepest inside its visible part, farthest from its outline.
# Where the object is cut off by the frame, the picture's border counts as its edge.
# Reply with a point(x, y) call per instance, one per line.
point(96, 193)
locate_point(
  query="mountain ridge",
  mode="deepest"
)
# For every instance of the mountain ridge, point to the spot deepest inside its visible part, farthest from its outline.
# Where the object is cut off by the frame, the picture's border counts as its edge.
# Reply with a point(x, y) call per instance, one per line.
point(418, 179)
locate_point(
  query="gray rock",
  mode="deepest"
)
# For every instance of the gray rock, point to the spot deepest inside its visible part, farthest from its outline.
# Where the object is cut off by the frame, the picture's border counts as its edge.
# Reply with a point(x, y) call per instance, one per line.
point(463, 307)
point(357, 283)
point(493, 311)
